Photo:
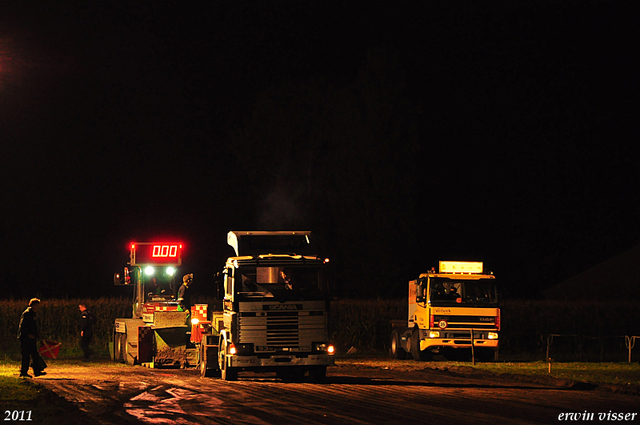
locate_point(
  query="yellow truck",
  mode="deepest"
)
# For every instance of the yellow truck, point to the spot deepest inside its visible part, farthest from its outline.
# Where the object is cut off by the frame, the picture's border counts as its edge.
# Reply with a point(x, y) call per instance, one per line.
point(453, 312)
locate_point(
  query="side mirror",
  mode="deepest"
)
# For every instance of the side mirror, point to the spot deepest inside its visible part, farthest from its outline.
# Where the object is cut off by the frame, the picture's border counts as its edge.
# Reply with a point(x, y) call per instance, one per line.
point(219, 284)
point(120, 280)
point(420, 291)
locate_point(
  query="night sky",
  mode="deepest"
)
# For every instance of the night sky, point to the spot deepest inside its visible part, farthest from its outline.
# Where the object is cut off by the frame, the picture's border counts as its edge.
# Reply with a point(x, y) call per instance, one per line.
point(400, 133)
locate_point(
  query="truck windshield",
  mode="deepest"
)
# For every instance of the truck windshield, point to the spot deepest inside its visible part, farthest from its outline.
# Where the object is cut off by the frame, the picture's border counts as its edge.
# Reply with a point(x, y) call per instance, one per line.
point(451, 292)
point(281, 282)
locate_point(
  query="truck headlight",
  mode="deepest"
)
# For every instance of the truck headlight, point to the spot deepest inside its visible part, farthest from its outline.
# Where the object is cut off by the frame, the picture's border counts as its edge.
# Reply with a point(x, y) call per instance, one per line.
point(492, 335)
point(324, 347)
point(434, 334)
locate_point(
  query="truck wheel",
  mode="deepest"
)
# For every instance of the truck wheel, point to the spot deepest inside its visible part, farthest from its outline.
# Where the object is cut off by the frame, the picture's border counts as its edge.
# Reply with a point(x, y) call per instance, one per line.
point(396, 351)
point(204, 362)
point(416, 353)
point(118, 347)
point(204, 371)
point(226, 373)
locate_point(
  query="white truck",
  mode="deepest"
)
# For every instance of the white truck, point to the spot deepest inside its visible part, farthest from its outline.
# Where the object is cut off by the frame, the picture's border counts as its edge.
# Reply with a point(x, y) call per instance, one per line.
point(276, 310)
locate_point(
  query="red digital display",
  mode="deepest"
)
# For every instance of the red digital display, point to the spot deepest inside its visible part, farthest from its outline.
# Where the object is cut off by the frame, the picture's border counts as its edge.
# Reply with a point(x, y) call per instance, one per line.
point(161, 253)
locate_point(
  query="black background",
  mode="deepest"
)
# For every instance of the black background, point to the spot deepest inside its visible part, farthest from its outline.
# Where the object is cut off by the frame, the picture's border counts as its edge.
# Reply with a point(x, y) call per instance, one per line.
point(400, 133)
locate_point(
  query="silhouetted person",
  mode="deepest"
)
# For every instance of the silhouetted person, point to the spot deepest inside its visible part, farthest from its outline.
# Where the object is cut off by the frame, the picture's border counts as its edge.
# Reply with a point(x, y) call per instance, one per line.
point(286, 278)
point(86, 331)
point(28, 336)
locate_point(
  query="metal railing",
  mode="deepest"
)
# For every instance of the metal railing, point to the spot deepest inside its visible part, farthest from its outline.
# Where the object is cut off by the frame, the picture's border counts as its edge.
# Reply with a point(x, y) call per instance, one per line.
point(581, 340)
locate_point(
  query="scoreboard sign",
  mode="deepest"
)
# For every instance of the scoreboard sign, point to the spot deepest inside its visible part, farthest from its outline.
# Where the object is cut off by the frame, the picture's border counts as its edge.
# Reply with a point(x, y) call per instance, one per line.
point(156, 253)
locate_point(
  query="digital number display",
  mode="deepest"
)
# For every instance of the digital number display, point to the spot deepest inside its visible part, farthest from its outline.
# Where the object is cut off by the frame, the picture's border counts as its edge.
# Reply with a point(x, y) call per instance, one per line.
point(169, 253)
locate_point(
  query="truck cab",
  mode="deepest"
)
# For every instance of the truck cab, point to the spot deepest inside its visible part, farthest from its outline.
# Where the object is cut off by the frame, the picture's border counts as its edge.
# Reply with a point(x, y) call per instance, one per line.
point(453, 312)
point(276, 308)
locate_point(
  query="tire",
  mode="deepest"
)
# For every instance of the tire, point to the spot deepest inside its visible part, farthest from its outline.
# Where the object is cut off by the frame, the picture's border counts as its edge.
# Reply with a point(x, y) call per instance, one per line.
point(395, 349)
point(205, 372)
point(416, 353)
point(226, 373)
point(119, 347)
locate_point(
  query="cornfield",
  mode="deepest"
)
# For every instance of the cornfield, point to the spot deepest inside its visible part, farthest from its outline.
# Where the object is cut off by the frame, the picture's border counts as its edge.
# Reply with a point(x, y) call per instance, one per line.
point(365, 324)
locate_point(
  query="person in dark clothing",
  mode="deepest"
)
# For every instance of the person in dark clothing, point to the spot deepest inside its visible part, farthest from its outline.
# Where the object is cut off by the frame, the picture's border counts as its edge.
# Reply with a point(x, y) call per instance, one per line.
point(86, 330)
point(184, 296)
point(28, 336)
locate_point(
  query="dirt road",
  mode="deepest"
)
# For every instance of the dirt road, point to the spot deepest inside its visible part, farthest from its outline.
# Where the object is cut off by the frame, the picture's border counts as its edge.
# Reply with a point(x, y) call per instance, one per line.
point(355, 392)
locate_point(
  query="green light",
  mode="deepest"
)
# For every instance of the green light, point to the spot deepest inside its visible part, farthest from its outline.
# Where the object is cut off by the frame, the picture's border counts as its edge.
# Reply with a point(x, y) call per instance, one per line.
point(170, 271)
point(148, 270)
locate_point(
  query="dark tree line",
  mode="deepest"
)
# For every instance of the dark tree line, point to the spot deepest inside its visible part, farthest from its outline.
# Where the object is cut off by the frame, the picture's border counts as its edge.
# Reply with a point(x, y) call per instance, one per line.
point(338, 159)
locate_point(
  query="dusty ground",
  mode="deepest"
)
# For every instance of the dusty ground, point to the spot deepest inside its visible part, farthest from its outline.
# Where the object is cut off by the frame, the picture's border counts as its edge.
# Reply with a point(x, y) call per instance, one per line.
point(356, 391)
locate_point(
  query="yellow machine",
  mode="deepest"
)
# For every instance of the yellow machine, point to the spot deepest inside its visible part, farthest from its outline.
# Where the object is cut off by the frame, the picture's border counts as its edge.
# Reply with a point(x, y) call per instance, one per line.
point(157, 332)
point(453, 312)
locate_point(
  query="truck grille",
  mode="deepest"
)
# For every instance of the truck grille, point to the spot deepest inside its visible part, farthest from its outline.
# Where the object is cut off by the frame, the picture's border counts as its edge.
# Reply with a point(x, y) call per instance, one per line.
point(282, 329)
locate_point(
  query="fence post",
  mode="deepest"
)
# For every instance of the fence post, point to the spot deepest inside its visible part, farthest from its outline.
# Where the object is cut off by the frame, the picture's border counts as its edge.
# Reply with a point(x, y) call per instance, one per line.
point(549, 342)
point(473, 350)
point(629, 341)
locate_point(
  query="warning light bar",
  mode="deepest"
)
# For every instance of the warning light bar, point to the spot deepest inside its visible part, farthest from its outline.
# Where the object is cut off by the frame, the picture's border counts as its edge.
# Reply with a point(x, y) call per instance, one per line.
point(460, 267)
point(156, 253)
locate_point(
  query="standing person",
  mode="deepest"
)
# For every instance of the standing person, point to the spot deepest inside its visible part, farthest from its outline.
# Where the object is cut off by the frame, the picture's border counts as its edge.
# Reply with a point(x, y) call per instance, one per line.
point(28, 336)
point(86, 330)
point(285, 275)
point(184, 296)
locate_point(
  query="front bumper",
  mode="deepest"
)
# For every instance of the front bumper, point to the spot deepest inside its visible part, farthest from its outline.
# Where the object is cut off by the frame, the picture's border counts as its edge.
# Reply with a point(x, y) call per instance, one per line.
point(459, 343)
point(279, 360)
point(446, 338)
